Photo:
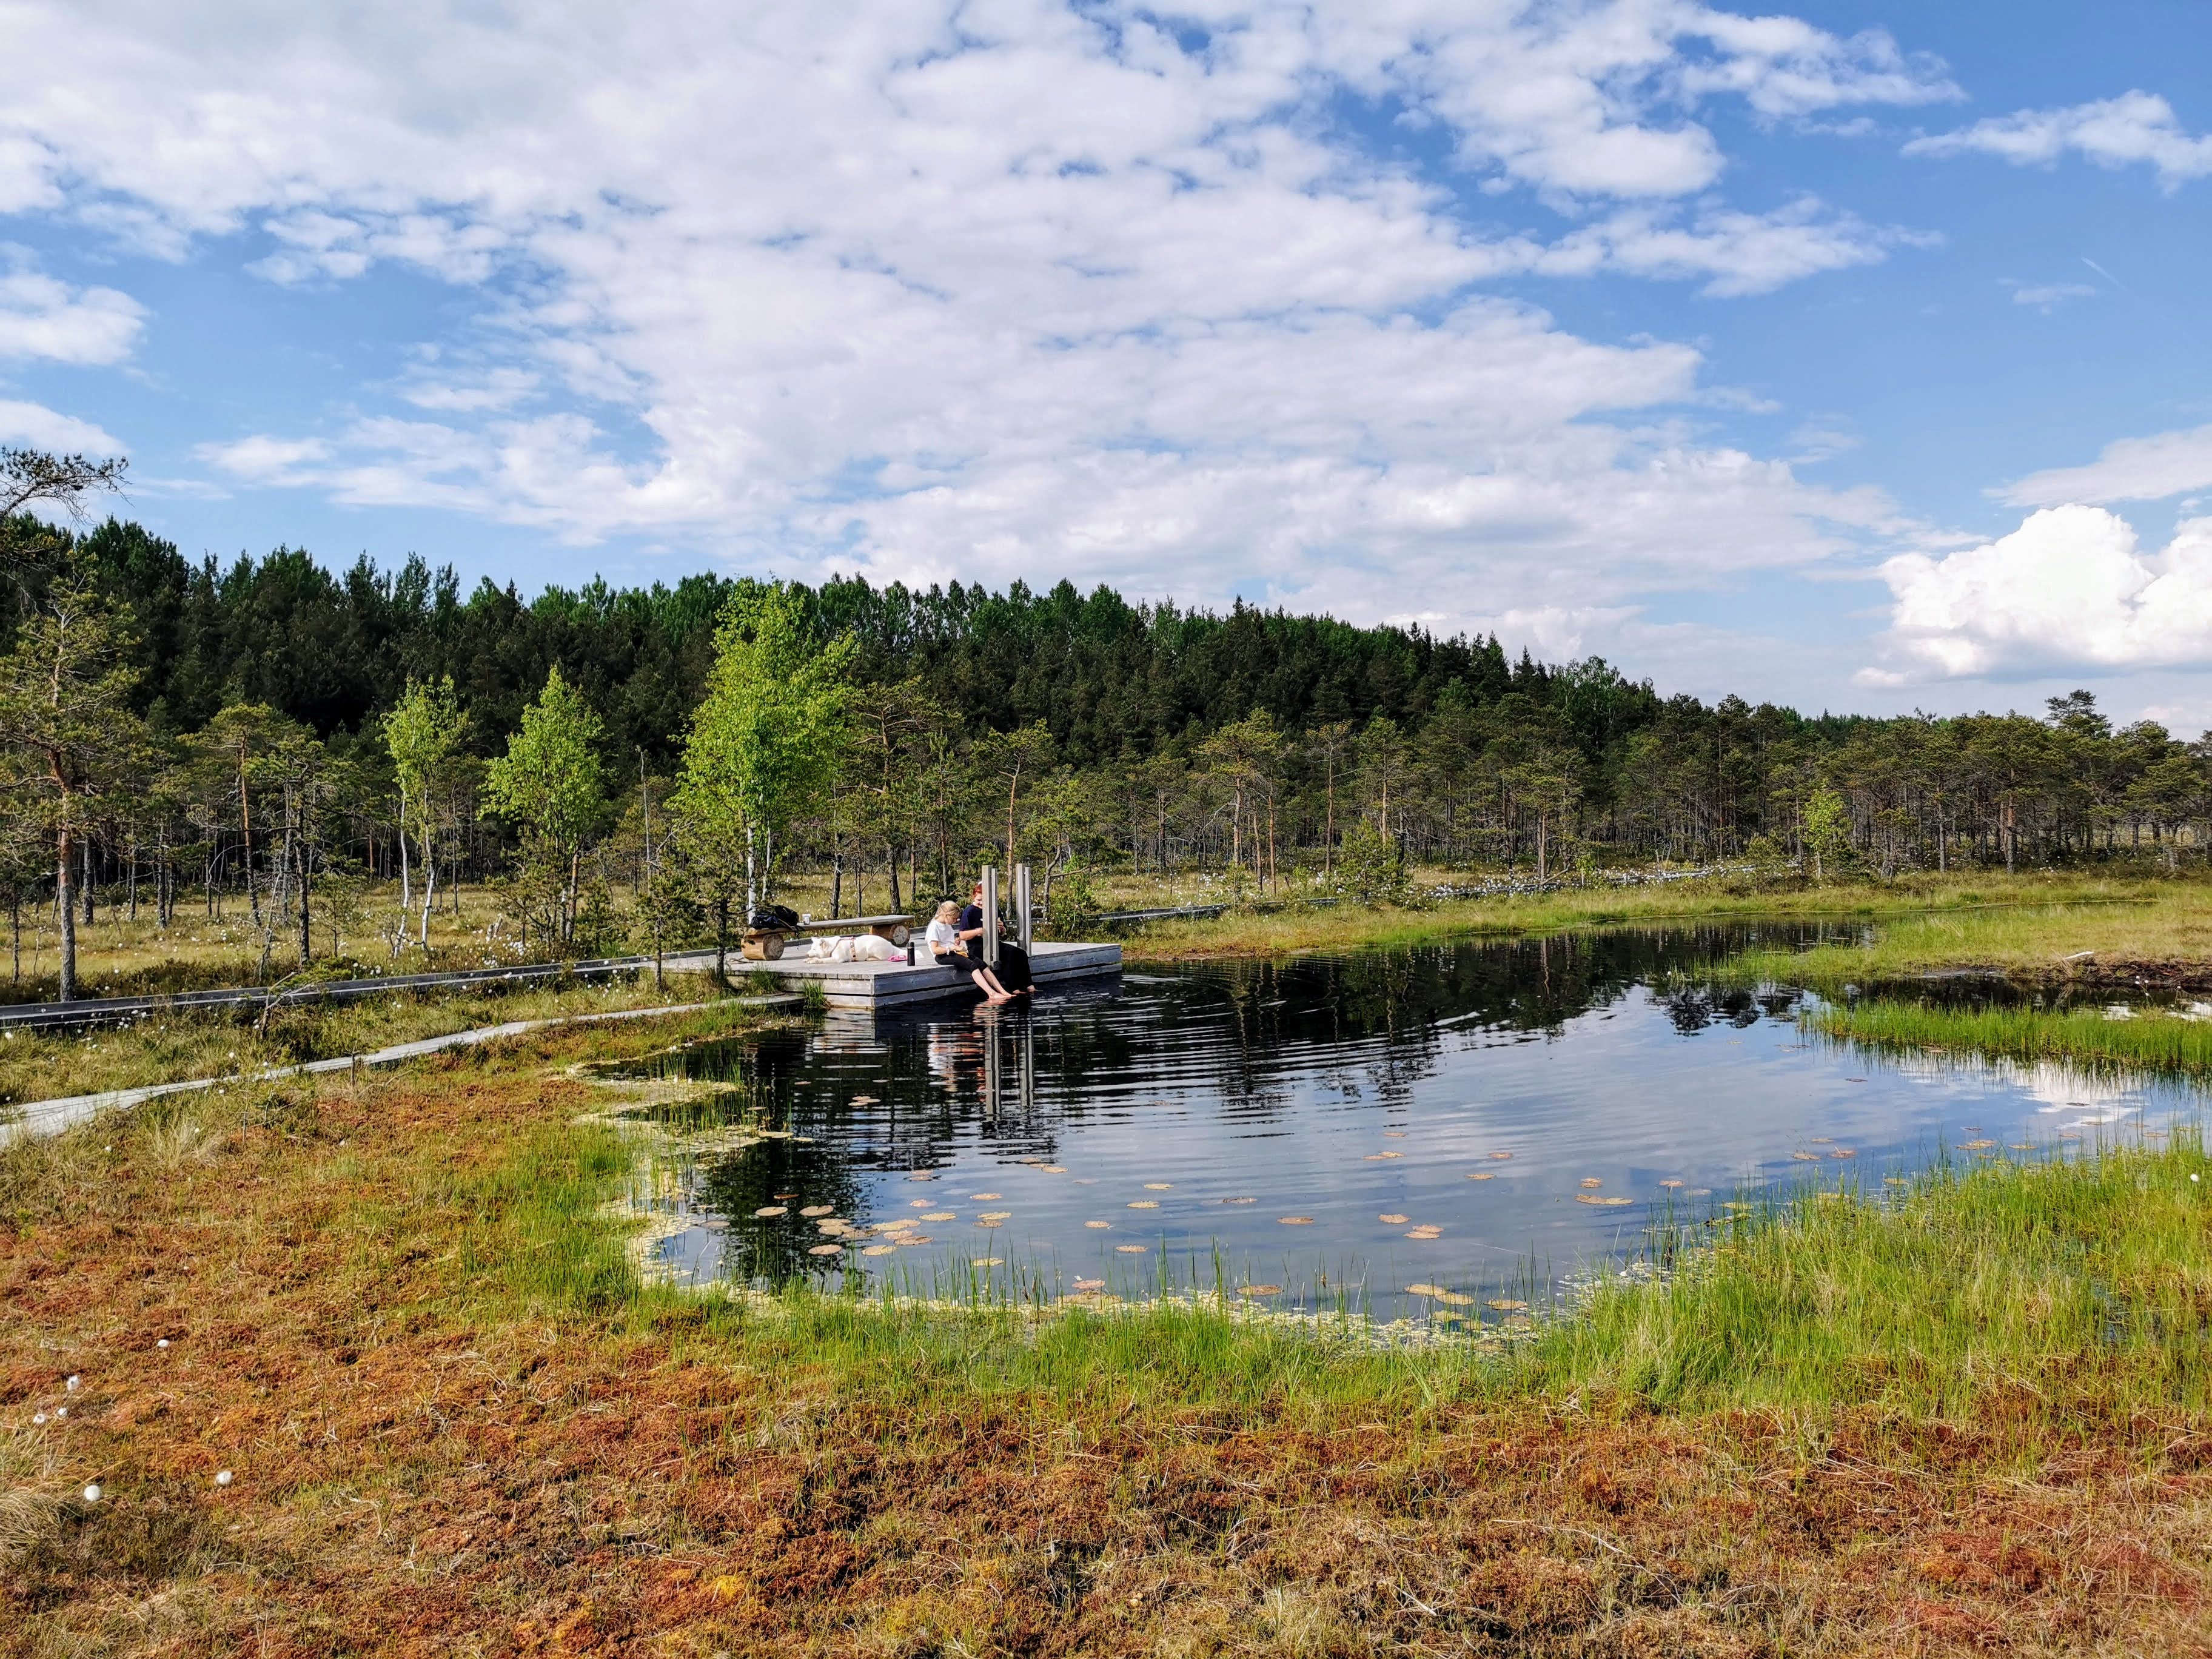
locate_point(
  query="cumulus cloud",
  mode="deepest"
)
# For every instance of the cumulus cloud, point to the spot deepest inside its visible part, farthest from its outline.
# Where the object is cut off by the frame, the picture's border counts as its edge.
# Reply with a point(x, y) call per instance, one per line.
point(41, 428)
point(42, 317)
point(2069, 589)
point(998, 288)
point(2137, 128)
point(2130, 470)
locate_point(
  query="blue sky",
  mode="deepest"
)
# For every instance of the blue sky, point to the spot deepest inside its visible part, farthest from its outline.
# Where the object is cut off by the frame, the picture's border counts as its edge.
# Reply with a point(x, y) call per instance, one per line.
point(1849, 356)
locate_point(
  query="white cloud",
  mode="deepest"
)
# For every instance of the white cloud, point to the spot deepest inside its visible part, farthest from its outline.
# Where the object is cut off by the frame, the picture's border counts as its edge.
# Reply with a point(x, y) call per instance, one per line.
point(41, 428)
point(2137, 127)
point(42, 317)
point(2046, 296)
point(497, 389)
point(2129, 470)
point(1739, 252)
point(2067, 589)
point(1003, 290)
point(266, 460)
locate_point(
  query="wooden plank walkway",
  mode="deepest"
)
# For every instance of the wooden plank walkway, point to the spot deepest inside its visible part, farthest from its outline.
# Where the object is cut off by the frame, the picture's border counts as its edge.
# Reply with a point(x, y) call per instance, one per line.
point(49, 1117)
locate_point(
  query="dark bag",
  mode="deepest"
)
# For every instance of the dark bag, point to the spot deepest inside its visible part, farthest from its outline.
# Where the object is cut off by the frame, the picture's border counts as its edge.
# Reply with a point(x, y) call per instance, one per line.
point(772, 918)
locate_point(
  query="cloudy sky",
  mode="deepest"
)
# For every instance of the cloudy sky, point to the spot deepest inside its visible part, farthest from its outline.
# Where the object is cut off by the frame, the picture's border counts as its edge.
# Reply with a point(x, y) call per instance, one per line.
point(1857, 357)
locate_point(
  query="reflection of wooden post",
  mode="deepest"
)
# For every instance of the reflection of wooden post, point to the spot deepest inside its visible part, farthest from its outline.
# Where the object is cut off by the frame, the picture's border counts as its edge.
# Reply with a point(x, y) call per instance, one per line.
point(991, 1070)
point(990, 915)
point(1022, 905)
point(1025, 1041)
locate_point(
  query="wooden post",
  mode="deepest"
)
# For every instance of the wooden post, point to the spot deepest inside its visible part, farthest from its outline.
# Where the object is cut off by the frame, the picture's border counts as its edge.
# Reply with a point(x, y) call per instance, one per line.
point(991, 899)
point(1022, 905)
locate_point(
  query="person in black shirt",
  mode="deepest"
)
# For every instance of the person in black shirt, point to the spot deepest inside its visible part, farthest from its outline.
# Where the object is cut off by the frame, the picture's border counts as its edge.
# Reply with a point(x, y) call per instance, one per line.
point(1012, 975)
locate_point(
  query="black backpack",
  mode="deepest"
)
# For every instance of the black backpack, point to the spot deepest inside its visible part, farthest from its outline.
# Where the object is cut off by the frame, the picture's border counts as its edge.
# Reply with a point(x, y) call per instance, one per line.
point(773, 918)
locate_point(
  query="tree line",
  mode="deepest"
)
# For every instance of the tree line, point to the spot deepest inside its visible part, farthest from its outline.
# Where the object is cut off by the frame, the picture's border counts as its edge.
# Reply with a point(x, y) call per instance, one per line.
point(277, 741)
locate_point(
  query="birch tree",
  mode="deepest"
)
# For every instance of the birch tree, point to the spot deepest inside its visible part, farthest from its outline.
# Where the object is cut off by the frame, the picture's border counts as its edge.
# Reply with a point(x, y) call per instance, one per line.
point(764, 744)
point(550, 784)
point(425, 732)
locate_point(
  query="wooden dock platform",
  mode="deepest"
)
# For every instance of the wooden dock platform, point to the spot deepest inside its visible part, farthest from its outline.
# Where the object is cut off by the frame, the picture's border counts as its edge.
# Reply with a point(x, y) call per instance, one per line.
point(880, 985)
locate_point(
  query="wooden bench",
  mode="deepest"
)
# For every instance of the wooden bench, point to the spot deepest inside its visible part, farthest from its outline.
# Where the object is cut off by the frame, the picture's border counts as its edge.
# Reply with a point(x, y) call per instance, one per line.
point(766, 944)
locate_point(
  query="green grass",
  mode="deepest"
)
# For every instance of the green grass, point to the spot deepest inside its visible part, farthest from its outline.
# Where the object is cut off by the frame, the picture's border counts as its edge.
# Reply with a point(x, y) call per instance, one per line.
point(1928, 921)
point(2151, 1039)
point(2044, 1291)
point(532, 1226)
point(2045, 937)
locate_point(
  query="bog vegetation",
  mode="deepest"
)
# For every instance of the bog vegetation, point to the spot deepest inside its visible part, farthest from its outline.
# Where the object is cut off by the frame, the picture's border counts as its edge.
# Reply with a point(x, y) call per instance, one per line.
point(335, 765)
point(365, 1364)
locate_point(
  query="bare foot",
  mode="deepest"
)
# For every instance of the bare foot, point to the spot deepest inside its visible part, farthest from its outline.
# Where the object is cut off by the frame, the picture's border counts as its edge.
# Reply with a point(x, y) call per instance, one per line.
point(997, 996)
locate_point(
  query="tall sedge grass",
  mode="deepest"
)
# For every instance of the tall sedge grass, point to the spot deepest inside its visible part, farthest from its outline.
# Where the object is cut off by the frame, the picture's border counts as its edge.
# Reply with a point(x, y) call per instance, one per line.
point(2148, 1039)
point(530, 1223)
point(2058, 1290)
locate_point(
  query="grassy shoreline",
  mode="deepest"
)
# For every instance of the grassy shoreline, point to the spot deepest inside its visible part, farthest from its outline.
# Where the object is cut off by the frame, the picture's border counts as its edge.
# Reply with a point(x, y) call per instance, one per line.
point(1987, 921)
point(1975, 1415)
point(2150, 1041)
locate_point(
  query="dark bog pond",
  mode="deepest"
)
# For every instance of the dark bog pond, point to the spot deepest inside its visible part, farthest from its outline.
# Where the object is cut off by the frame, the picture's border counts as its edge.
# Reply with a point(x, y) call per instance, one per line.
point(1479, 1119)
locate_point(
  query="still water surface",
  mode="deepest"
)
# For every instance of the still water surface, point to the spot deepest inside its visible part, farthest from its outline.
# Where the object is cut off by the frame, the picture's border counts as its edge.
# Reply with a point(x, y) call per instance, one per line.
point(1485, 1118)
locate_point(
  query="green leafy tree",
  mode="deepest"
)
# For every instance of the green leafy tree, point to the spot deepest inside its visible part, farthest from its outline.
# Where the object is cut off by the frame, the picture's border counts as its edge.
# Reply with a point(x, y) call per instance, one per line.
point(1827, 831)
point(68, 731)
point(550, 784)
point(426, 731)
point(765, 742)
